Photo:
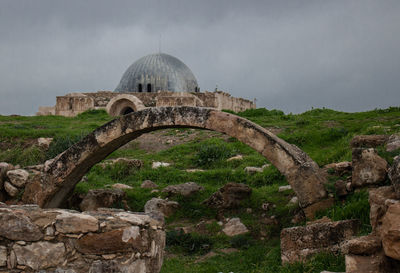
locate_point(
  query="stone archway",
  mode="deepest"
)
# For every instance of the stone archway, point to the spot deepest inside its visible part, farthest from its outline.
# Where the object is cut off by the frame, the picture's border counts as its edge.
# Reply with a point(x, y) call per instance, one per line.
point(63, 172)
point(124, 104)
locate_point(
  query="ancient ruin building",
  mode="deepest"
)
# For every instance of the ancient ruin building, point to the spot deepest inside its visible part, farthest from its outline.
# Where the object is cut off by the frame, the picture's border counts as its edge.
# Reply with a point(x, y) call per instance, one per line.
point(154, 80)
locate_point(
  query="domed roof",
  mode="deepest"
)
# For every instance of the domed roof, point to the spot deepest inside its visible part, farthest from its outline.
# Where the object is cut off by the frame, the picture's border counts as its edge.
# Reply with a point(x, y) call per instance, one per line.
point(156, 72)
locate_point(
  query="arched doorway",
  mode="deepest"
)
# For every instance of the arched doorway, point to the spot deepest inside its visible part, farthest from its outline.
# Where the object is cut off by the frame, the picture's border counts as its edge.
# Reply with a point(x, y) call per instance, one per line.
point(67, 169)
point(149, 88)
point(140, 88)
point(124, 104)
point(127, 110)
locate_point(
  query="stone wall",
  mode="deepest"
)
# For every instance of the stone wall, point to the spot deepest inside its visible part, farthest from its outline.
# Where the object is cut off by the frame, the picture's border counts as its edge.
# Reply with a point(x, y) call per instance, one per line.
point(55, 240)
point(75, 103)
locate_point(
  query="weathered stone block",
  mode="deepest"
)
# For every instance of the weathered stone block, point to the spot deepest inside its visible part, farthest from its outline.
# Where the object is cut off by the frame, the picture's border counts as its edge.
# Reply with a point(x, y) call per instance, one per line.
point(368, 141)
point(378, 207)
point(160, 206)
point(390, 231)
point(365, 245)
point(368, 167)
point(394, 175)
point(3, 256)
point(185, 189)
point(18, 227)
point(18, 177)
point(102, 198)
point(229, 196)
point(67, 222)
point(40, 255)
point(300, 243)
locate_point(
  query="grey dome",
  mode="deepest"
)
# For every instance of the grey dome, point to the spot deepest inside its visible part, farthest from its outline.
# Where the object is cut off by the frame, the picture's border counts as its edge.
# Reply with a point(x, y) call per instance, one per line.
point(156, 72)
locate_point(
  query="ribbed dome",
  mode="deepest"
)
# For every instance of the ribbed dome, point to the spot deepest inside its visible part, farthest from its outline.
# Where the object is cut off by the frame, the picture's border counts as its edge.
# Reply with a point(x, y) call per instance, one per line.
point(157, 72)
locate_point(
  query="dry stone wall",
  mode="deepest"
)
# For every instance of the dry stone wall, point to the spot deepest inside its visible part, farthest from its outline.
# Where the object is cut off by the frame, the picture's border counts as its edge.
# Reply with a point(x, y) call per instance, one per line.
point(54, 240)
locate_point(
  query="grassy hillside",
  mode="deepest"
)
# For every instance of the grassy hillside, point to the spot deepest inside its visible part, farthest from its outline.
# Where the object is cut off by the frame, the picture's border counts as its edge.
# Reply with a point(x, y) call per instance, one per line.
point(324, 134)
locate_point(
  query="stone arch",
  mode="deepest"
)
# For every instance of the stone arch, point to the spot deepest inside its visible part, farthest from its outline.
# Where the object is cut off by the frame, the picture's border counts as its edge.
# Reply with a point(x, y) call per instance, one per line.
point(120, 105)
point(64, 171)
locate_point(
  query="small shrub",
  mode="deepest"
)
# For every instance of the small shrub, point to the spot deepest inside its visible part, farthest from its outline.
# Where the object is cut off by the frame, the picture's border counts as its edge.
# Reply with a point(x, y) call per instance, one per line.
point(210, 153)
point(62, 143)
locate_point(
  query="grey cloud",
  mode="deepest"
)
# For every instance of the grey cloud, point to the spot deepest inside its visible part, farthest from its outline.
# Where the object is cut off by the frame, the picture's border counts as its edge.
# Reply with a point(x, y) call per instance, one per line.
point(290, 55)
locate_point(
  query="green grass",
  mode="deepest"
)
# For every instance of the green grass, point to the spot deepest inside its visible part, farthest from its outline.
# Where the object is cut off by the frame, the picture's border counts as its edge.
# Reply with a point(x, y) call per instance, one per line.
point(323, 133)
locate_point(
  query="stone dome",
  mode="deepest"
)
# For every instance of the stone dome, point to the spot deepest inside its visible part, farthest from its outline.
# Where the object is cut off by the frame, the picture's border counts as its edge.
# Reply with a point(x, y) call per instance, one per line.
point(157, 72)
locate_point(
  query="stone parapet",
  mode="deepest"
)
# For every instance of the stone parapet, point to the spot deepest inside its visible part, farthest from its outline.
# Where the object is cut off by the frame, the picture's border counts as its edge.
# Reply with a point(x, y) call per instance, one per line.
point(56, 240)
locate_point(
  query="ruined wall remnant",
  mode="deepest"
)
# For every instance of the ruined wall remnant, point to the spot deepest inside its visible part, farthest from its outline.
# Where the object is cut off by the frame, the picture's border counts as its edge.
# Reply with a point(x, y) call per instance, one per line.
point(75, 103)
point(55, 240)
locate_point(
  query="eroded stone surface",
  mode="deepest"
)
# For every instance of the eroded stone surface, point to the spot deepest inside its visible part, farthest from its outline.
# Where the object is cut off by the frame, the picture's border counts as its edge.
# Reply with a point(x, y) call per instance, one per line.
point(18, 227)
point(299, 243)
point(378, 206)
point(40, 255)
point(390, 231)
point(3, 256)
point(368, 167)
point(393, 143)
point(10, 189)
point(365, 245)
point(368, 141)
point(102, 198)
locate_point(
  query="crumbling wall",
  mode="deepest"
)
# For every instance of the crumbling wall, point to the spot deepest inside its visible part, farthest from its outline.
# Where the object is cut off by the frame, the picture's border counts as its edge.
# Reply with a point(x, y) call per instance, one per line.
point(55, 240)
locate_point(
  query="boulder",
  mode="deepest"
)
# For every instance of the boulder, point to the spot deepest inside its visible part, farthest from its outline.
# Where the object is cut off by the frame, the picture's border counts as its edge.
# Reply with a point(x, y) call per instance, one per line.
point(119, 186)
point(10, 189)
point(185, 189)
point(300, 243)
point(234, 227)
point(377, 200)
point(393, 143)
point(394, 175)
point(229, 196)
point(368, 167)
point(365, 245)
point(148, 184)
point(102, 198)
point(40, 255)
point(339, 168)
point(18, 177)
point(68, 222)
point(368, 141)
point(160, 206)
point(157, 165)
point(390, 231)
point(4, 168)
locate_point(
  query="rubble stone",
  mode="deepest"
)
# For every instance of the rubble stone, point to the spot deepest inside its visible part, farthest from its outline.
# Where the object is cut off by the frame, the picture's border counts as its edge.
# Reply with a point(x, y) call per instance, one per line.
point(229, 196)
point(368, 167)
point(234, 227)
point(185, 189)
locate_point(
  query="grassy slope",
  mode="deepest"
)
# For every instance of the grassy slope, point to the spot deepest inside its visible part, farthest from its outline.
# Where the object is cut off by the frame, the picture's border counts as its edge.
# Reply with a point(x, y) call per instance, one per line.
point(324, 134)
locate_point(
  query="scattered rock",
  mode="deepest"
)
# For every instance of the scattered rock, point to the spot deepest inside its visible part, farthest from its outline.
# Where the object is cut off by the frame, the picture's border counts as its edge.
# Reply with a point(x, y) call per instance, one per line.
point(340, 168)
point(256, 169)
point(229, 196)
point(368, 167)
point(300, 243)
point(234, 227)
point(294, 200)
point(44, 142)
point(148, 184)
point(10, 189)
point(4, 168)
point(68, 222)
point(365, 245)
point(18, 177)
point(341, 188)
point(185, 189)
point(394, 175)
point(368, 141)
point(378, 207)
point(236, 157)
point(161, 206)
point(102, 198)
point(390, 231)
point(157, 164)
point(119, 186)
point(284, 188)
point(393, 143)
point(40, 255)
point(132, 163)
point(375, 263)
point(194, 170)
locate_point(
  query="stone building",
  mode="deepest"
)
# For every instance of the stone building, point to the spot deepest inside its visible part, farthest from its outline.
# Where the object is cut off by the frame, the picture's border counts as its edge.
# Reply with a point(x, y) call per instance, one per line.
point(154, 80)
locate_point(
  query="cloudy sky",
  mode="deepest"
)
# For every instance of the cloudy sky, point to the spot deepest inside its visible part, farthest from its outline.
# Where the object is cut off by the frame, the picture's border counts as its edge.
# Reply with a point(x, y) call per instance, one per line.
point(290, 55)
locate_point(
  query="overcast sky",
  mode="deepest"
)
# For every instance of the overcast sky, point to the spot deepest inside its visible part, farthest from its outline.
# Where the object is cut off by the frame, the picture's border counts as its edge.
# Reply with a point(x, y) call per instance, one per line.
point(290, 55)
